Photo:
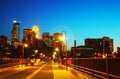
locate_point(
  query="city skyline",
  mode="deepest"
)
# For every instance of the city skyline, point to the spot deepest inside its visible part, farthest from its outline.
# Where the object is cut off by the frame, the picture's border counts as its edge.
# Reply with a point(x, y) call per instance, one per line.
point(80, 19)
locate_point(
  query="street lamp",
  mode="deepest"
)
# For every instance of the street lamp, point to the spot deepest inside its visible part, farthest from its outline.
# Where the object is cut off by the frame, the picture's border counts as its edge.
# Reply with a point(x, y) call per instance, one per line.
point(24, 45)
point(57, 50)
point(65, 47)
point(64, 38)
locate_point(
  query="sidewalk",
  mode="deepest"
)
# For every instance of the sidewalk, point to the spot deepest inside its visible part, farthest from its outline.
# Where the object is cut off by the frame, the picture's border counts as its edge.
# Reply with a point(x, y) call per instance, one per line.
point(61, 73)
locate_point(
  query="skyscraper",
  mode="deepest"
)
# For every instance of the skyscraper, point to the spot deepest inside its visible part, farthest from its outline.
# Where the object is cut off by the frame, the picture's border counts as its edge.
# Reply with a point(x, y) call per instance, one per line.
point(15, 33)
point(47, 38)
point(29, 36)
point(36, 30)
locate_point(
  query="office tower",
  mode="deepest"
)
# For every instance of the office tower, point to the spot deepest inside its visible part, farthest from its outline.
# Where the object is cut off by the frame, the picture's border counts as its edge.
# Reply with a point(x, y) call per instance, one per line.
point(15, 33)
point(47, 38)
point(29, 36)
point(36, 30)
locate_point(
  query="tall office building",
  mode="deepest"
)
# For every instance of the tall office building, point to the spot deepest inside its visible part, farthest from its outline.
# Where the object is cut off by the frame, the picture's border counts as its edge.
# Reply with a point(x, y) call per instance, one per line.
point(36, 30)
point(29, 36)
point(108, 43)
point(47, 38)
point(15, 33)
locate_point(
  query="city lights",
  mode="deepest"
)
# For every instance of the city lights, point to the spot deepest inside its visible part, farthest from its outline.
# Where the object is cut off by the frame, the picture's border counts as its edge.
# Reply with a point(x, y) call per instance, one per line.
point(56, 49)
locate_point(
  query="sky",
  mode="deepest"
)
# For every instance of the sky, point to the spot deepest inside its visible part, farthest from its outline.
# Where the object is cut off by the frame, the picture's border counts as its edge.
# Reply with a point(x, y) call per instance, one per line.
point(80, 19)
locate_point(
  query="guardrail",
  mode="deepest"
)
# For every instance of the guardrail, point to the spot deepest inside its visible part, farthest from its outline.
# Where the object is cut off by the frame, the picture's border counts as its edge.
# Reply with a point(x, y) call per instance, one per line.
point(7, 62)
point(95, 73)
point(102, 68)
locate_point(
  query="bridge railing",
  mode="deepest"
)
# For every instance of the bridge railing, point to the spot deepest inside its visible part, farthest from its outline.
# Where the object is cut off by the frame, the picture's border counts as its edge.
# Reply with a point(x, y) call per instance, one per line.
point(108, 67)
point(7, 62)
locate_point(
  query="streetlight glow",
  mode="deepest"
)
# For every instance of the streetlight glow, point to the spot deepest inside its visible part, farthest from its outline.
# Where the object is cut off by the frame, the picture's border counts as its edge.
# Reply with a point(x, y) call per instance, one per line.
point(25, 45)
point(56, 49)
point(41, 53)
point(61, 38)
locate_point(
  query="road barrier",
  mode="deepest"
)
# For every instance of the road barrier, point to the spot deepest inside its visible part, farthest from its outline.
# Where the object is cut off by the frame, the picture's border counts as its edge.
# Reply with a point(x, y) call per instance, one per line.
point(102, 68)
point(7, 62)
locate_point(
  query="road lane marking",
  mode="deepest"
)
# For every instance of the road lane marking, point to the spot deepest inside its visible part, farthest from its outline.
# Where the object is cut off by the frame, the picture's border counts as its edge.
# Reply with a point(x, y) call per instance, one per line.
point(34, 73)
point(53, 70)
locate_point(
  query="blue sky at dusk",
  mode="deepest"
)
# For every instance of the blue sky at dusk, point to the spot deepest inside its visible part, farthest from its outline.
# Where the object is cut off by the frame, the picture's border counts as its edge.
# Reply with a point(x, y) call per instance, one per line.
point(80, 19)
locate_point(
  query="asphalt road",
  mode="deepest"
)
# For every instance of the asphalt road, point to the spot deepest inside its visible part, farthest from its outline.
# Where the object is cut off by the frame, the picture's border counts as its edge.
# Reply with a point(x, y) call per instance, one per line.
point(47, 70)
point(29, 72)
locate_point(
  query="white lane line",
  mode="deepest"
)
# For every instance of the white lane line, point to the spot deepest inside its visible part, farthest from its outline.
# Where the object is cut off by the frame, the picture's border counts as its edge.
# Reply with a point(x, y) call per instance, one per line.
point(34, 73)
point(54, 71)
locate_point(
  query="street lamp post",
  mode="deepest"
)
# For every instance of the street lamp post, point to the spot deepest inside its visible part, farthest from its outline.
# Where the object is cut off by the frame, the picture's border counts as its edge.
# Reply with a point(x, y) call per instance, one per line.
point(65, 39)
point(23, 50)
point(57, 50)
point(65, 48)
